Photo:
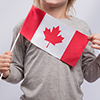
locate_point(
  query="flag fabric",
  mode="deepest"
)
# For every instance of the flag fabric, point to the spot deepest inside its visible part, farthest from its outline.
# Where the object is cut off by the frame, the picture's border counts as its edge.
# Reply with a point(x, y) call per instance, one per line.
point(53, 36)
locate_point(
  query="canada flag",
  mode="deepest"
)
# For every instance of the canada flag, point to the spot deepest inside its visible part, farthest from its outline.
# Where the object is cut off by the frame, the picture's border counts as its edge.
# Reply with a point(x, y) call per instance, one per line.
point(53, 36)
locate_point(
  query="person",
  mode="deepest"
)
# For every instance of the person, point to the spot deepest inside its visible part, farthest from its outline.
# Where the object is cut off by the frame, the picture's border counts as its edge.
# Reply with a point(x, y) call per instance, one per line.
point(45, 77)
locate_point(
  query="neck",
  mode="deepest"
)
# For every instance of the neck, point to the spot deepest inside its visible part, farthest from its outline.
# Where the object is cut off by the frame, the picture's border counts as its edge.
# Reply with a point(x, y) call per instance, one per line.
point(57, 12)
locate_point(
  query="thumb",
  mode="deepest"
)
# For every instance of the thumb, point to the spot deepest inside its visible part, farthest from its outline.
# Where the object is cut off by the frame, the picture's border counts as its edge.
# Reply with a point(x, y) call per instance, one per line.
point(90, 37)
point(8, 53)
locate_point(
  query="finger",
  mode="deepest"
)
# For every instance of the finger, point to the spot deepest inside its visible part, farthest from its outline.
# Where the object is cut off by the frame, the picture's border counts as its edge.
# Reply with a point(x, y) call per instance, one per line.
point(4, 56)
point(94, 37)
point(95, 47)
point(4, 65)
point(8, 53)
point(4, 69)
point(90, 37)
point(96, 42)
point(5, 60)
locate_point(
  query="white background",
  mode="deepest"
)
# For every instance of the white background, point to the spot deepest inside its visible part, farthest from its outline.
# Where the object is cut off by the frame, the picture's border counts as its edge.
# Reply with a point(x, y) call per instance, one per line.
point(13, 11)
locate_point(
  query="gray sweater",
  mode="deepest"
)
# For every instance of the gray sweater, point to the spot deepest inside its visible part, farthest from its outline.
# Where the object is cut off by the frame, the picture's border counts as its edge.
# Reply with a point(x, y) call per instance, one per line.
point(47, 78)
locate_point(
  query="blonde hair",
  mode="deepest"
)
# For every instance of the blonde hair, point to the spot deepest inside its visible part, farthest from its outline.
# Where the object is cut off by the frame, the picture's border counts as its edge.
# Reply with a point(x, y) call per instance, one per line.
point(69, 7)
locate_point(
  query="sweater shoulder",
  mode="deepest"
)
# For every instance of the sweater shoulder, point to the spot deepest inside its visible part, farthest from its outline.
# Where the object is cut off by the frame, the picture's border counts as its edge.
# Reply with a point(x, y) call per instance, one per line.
point(78, 24)
point(81, 26)
point(17, 28)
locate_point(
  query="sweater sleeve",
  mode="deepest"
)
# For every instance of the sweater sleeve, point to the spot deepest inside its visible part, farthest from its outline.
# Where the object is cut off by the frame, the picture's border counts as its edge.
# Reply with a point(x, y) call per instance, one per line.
point(90, 63)
point(17, 61)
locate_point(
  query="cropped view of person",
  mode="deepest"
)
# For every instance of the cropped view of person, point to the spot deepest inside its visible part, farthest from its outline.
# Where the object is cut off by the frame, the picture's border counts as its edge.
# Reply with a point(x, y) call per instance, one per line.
point(43, 76)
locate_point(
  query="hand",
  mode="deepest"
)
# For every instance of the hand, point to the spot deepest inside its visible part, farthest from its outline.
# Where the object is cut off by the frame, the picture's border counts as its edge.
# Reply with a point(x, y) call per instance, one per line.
point(5, 60)
point(95, 39)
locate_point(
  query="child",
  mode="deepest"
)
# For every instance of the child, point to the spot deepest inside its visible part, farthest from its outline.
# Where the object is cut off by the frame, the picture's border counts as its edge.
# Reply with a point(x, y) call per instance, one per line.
point(44, 76)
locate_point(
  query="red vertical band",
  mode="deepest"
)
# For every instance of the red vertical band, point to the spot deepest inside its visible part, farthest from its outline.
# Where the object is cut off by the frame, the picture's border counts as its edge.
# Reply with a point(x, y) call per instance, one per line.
point(32, 22)
point(75, 49)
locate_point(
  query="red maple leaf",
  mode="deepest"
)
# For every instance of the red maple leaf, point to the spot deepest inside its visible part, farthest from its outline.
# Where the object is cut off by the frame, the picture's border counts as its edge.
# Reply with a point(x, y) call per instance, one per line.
point(52, 37)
